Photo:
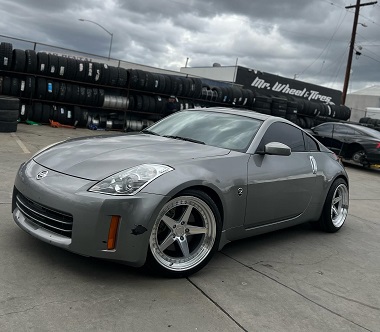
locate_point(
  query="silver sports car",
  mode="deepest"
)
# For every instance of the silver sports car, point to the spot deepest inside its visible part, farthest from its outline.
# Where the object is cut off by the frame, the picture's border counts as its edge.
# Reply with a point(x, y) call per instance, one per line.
point(170, 196)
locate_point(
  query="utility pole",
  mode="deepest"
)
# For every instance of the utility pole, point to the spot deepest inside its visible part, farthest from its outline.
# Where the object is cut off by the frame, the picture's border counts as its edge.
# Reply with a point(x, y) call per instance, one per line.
point(352, 45)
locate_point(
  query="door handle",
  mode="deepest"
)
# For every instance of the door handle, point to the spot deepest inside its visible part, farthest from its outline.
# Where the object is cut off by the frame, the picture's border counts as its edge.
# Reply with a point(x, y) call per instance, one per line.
point(314, 166)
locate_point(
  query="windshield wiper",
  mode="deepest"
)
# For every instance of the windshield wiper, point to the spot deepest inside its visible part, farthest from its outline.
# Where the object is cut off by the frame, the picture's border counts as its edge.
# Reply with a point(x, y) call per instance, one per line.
point(146, 131)
point(185, 139)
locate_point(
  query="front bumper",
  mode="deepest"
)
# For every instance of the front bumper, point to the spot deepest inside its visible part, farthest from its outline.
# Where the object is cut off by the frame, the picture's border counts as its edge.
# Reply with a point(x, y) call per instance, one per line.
point(91, 215)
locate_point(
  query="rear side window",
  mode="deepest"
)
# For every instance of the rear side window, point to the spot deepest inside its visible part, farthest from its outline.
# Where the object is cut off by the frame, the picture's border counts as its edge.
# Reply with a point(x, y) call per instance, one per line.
point(283, 133)
point(311, 145)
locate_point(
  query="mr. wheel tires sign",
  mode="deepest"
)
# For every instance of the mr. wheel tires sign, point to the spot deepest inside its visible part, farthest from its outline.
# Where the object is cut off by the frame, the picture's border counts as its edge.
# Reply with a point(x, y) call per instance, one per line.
point(269, 84)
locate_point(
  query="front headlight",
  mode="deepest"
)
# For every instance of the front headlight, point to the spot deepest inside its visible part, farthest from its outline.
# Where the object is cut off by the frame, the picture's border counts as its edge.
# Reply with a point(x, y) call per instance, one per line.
point(130, 181)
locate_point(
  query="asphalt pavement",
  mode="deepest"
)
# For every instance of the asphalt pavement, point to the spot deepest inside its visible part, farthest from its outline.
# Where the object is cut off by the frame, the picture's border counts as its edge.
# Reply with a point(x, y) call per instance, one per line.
point(298, 279)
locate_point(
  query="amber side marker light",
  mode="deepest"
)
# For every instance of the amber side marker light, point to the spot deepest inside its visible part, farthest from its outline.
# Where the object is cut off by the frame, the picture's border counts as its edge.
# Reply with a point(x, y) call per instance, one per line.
point(112, 233)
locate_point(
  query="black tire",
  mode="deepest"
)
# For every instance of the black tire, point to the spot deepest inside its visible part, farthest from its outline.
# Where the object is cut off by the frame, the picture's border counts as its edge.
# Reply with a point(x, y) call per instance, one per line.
point(364, 120)
point(52, 65)
point(18, 60)
point(62, 67)
point(263, 110)
point(104, 74)
point(15, 87)
point(133, 78)
point(80, 71)
point(46, 111)
point(7, 85)
point(122, 80)
point(71, 69)
point(36, 114)
point(335, 209)
point(90, 73)
point(41, 88)
point(62, 92)
point(9, 103)
point(9, 115)
point(69, 92)
point(89, 97)
point(114, 76)
point(8, 127)
point(278, 112)
point(6, 56)
point(75, 94)
point(42, 63)
point(218, 93)
point(359, 156)
point(179, 259)
point(24, 112)
point(28, 87)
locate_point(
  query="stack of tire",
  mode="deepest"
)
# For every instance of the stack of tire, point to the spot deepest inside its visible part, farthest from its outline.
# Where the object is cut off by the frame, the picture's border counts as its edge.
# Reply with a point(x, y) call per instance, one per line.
point(69, 90)
point(370, 122)
point(9, 114)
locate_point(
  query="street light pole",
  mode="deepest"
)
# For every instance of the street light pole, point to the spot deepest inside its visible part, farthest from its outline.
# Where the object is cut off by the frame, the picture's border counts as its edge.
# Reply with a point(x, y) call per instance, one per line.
point(110, 33)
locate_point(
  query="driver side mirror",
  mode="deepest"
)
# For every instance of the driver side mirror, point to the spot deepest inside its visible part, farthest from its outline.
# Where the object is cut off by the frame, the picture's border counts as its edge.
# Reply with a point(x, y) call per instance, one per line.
point(277, 149)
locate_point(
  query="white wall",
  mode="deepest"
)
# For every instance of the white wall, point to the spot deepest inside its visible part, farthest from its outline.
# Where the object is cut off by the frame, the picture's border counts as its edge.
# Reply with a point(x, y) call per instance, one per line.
point(224, 74)
point(359, 104)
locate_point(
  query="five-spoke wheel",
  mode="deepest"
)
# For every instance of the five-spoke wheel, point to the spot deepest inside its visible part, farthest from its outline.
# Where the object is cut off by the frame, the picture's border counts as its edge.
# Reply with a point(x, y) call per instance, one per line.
point(335, 210)
point(185, 234)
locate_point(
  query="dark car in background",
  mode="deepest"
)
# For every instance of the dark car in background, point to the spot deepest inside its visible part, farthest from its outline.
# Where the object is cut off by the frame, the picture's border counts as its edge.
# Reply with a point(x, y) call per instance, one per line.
point(357, 143)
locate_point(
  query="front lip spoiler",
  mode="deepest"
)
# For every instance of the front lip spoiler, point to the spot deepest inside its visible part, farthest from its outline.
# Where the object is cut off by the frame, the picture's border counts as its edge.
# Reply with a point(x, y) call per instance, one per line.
point(40, 233)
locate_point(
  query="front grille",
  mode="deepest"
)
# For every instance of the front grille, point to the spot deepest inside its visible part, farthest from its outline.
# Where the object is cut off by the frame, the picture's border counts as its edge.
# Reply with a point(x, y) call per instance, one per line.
point(45, 217)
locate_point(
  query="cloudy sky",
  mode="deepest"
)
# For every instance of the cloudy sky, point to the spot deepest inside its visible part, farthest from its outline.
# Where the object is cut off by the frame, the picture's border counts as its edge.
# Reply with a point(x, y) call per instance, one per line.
point(306, 39)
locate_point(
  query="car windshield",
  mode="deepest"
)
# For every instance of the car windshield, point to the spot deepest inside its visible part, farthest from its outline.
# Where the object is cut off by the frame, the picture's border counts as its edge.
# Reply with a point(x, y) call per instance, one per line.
point(229, 131)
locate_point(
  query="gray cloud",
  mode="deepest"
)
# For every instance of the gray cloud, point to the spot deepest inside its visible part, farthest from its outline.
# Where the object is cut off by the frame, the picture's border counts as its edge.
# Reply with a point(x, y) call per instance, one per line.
point(308, 39)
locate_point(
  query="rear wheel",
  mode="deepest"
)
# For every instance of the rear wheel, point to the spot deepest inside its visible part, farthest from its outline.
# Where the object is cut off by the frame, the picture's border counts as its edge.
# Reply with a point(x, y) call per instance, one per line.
point(185, 235)
point(335, 209)
point(360, 157)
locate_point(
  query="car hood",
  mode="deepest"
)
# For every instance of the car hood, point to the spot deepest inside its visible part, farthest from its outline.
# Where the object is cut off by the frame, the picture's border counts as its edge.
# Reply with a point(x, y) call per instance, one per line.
point(98, 157)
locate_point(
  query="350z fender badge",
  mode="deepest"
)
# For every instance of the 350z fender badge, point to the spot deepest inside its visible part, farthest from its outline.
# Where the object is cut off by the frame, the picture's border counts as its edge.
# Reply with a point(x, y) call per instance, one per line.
point(41, 175)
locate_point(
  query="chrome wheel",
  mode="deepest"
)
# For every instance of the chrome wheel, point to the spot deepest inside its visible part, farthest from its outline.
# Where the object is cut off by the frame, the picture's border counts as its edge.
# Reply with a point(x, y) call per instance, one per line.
point(335, 209)
point(184, 233)
point(339, 205)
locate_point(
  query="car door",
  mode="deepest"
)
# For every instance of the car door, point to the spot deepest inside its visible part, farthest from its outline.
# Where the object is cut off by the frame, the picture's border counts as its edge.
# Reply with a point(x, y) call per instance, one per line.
point(279, 187)
point(339, 139)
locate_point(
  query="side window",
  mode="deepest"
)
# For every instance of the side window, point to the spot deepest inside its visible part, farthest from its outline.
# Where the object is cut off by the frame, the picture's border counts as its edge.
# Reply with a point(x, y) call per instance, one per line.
point(350, 131)
point(325, 128)
point(311, 144)
point(283, 133)
point(338, 129)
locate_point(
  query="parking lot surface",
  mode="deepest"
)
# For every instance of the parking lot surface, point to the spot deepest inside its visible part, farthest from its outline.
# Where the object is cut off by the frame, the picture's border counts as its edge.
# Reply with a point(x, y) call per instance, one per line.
point(298, 279)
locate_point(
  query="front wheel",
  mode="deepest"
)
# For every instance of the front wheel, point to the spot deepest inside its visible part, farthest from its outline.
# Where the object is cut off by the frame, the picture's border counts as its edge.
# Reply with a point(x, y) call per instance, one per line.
point(335, 209)
point(185, 235)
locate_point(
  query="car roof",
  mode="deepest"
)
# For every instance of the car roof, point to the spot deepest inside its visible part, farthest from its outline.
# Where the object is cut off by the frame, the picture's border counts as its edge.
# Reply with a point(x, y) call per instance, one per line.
point(366, 130)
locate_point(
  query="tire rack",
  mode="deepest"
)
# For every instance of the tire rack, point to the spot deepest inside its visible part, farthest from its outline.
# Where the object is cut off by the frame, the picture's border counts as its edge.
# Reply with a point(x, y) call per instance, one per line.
point(138, 87)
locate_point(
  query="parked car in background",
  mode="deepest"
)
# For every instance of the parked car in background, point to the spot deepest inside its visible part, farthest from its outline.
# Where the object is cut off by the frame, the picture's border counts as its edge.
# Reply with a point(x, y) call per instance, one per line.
point(173, 194)
point(351, 142)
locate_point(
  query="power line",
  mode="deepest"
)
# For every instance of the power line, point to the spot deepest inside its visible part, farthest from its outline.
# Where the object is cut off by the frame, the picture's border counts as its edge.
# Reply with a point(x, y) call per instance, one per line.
point(326, 46)
point(371, 58)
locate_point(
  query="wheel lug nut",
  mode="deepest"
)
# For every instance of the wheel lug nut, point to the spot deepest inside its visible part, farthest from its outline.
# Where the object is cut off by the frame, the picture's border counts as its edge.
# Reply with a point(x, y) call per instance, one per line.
point(182, 223)
point(181, 237)
point(187, 230)
point(174, 226)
